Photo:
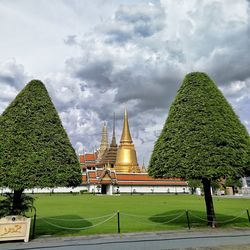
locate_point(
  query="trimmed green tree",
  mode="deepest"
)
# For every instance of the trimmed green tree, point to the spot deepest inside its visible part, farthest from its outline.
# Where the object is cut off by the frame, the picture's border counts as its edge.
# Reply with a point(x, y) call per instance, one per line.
point(201, 139)
point(35, 149)
point(193, 185)
point(234, 183)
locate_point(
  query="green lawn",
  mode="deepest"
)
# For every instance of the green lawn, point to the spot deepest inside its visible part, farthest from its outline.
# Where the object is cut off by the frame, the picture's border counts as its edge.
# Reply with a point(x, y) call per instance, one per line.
point(137, 213)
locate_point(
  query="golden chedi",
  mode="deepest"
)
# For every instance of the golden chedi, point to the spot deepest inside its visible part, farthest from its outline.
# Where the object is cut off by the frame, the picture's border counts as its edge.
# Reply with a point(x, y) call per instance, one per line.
point(126, 159)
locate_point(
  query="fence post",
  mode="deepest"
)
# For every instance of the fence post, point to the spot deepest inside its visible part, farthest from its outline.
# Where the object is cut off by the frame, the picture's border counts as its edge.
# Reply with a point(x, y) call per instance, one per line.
point(34, 224)
point(188, 221)
point(248, 216)
point(118, 222)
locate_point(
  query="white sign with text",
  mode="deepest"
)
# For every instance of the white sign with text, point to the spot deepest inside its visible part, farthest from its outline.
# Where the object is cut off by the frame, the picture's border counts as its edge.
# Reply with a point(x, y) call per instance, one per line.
point(14, 228)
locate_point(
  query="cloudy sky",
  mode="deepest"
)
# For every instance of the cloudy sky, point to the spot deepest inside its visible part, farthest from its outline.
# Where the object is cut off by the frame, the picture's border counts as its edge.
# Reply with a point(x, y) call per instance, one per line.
point(98, 57)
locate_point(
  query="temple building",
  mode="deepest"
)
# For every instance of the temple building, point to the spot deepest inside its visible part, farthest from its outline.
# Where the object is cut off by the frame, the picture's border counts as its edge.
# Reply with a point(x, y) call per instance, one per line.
point(104, 143)
point(109, 157)
point(114, 169)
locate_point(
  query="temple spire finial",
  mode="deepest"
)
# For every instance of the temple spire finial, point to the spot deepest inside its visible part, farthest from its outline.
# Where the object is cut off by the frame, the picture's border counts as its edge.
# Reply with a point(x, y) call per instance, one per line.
point(126, 136)
point(113, 142)
point(126, 160)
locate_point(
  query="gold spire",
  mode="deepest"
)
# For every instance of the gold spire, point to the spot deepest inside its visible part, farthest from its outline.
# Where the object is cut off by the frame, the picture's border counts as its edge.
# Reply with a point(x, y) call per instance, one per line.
point(143, 169)
point(126, 136)
point(126, 160)
point(109, 157)
point(113, 142)
point(104, 143)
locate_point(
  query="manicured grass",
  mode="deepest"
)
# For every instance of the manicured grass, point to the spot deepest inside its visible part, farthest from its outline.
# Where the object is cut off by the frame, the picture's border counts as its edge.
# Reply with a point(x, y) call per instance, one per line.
point(137, 213)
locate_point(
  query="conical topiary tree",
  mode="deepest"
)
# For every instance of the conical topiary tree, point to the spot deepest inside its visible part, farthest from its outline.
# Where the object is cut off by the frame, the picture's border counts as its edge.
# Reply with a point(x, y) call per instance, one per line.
point(34, 148)
point(201, 139)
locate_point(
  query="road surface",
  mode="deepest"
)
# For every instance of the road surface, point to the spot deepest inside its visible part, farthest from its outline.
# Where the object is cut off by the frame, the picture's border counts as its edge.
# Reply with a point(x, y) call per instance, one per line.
point(230, 239)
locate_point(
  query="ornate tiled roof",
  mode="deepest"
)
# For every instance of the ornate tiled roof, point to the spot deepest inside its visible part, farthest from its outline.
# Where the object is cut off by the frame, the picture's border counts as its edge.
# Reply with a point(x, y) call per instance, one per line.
point(88, 157)
point(137, 179)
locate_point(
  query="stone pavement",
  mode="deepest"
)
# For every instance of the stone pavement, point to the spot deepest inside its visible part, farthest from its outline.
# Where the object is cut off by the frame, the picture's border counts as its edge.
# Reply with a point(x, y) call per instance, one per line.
point(216, 239)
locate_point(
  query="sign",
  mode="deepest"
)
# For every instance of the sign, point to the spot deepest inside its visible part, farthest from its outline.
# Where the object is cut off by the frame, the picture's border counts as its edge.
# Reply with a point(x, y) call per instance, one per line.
point(14, 227)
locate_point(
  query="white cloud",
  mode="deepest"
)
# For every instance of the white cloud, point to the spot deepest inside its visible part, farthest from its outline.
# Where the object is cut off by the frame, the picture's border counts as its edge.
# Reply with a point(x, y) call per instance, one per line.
point(12, 79)
point(124, 53)
point(238, 94)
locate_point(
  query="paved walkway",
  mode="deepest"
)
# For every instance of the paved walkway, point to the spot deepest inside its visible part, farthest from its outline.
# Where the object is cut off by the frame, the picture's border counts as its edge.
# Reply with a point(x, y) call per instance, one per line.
point(230, 239)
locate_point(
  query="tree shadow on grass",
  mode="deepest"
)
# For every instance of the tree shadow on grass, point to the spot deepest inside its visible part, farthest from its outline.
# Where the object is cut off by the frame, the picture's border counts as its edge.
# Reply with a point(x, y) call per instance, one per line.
point(199, 219)
point(60, 225)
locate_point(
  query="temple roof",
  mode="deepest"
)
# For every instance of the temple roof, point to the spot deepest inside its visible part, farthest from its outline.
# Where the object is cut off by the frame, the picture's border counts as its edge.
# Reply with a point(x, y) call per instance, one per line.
point(124, 179)
point(109, 157)
point(87, 157)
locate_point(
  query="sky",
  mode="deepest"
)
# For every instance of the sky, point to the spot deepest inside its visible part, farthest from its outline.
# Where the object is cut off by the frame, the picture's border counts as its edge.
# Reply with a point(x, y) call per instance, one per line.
point(101, 56)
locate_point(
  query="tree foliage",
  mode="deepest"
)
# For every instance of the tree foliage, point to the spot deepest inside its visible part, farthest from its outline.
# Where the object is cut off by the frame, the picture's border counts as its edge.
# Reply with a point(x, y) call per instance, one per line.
point(35, 149)
point(201, 139)
point(234, 183)
point(7, 208)
point(194, 184)
point(202, 136)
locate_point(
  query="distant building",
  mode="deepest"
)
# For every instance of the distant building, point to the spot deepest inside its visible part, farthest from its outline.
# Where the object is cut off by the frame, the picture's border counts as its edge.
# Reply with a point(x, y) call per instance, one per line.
point(88, 161)
point(246, 185)
point(114, 170)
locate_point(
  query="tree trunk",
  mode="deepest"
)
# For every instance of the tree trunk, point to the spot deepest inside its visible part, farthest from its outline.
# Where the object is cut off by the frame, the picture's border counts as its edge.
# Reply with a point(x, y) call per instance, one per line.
point(209, 202)
point(17, 203)
point(233, 190)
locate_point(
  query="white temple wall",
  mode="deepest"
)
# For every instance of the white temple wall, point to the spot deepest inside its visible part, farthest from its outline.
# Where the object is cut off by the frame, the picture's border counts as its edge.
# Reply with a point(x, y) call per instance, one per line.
point(245, 186)
point(152, 189)
point(48, 190)
point(110, 189)
point(245, 182)
point(5, 190)
point(140, 189)
point(93, 189)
